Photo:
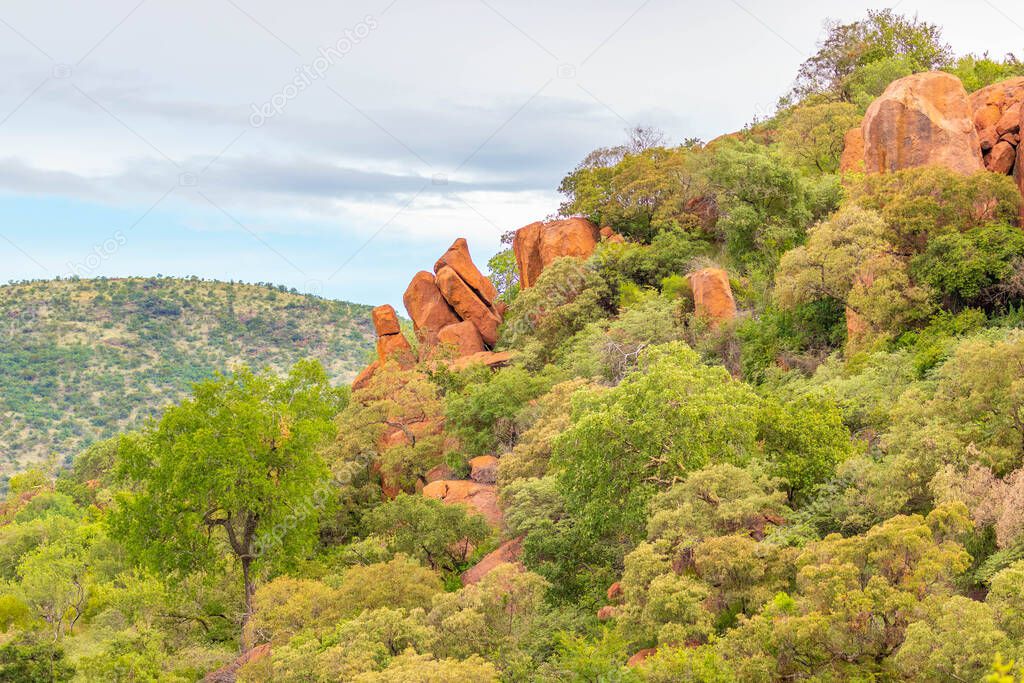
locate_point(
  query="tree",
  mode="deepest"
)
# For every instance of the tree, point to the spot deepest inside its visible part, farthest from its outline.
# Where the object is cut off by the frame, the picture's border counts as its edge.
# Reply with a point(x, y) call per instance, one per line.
point(850, 47)
point(235, 466)
point(814, 134)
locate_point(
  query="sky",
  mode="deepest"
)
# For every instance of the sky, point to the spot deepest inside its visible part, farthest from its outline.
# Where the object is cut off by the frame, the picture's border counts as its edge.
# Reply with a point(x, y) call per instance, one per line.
point(339, 147)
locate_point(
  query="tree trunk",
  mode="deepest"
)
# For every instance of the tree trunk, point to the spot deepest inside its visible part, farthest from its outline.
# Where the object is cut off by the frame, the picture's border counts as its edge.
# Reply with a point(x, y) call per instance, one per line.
point(249, 590)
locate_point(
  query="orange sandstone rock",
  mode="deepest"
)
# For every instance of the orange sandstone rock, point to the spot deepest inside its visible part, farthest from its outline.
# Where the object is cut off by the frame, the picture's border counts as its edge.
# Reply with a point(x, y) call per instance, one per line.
point(492, 359)
point(484, 469)
point(642, 656)
point(462, 337)
point(480, 498)
point(852, 160)
point(538, 244)
point(712, 294)
point(385, 320)
point(468, 305)
point(508, 552)
point(428, 309)
point(458, 259)
point(920, 120)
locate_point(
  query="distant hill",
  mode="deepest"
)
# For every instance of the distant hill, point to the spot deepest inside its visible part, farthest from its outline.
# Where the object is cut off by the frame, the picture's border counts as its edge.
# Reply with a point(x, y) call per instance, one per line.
point(81, 360)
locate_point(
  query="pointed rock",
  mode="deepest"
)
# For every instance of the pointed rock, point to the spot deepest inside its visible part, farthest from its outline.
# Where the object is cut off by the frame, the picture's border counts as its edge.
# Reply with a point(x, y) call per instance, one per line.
point(385, 320)
point(428, 309)
point(461, 297)
point(712, 294)
point(458, 259)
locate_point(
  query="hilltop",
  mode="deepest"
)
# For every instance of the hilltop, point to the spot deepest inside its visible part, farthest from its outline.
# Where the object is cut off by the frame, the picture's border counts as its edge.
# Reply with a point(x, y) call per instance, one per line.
point(85, 359)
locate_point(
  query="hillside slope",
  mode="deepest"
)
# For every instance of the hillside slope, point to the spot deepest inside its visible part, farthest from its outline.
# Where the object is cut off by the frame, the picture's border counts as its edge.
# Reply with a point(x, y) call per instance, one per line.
point(85, 359)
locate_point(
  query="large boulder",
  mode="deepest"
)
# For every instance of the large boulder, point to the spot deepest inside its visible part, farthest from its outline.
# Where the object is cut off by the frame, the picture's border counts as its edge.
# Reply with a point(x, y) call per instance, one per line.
point(463, 339)
point(997, 118)
point(428, 309)
point(712, 295)
point(538, 244)
point(508, 552)
point(484, 469)
point(479, 498)
point(385, 321)
point(921, 120)
point(468, 305)
point(458, 259)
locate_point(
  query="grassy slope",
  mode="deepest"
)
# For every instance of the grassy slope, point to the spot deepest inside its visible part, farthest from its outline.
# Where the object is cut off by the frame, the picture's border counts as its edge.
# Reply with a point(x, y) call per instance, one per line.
point(82, 360)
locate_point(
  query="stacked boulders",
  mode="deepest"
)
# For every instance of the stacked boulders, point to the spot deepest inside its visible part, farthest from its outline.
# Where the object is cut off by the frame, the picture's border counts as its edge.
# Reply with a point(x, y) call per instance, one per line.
point(997, 118)
point(537, 245)
point(391, 345)
point(456, 307)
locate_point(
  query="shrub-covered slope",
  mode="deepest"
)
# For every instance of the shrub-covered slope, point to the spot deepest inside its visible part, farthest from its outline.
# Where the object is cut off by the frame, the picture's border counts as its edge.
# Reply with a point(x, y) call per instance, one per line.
point(84, 359)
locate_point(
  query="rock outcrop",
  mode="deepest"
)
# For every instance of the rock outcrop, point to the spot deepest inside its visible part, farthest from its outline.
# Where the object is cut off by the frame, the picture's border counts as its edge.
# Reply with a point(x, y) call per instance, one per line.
point(428, 309)
point(712, 295)
point(391, 345)
point(508, 552)
point(456, 306)
point(479, 498)
point(484, 469)
point(997, 113)
point(921, 120)
point(229, 672)
point(468, 304)
point(538, 244)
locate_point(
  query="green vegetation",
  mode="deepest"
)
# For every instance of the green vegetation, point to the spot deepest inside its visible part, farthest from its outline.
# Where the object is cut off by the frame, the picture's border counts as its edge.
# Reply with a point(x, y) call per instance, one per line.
point(826, 487)
point(85, 359)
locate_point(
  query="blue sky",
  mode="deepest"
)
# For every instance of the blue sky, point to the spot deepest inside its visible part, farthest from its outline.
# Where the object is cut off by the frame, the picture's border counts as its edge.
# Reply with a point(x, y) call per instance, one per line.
point(340, 147)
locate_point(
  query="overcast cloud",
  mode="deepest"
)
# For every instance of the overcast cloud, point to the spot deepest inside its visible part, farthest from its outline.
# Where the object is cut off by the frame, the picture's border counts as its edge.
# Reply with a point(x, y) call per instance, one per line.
point(338, 147)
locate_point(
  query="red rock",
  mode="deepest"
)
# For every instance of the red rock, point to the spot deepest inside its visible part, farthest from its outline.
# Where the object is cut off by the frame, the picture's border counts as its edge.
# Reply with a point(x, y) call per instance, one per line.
point(1010, 121)
point(538, 244)
point(920, 120)
point(988, 138)
point(852, 160)
point(712, 294)
point(458, 259)
point(463, 338)
point(705, 208)
point(508, 552)
point(481, 498)
point(468, 305)
point(989, 103)
point(607, 612)
point(642, 656)
point(395, 347)
point(385, 321)
point(1002, 158)
point(229, 672)
point(484, 469)
point(492, 359)
point(428, 309)
point(362, 380)
point(606, 232)
point(614, 592)
point(439, 473)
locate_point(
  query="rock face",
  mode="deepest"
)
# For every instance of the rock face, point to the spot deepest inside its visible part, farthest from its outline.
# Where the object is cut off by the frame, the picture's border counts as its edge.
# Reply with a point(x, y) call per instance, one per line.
point(484, 469)
point(468, 305)
point(852, 160)
point(463, 338)
point(229, 672)
point(507, 552)
point(538, 244)
point(712, 295)
point(997, 118)
point(480, 498)
point(921, 120)
point(458, 259)
point(428, 309)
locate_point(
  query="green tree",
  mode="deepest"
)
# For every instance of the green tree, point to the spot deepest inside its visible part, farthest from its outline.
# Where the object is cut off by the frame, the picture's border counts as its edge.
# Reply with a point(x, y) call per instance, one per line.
point(235, 466)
